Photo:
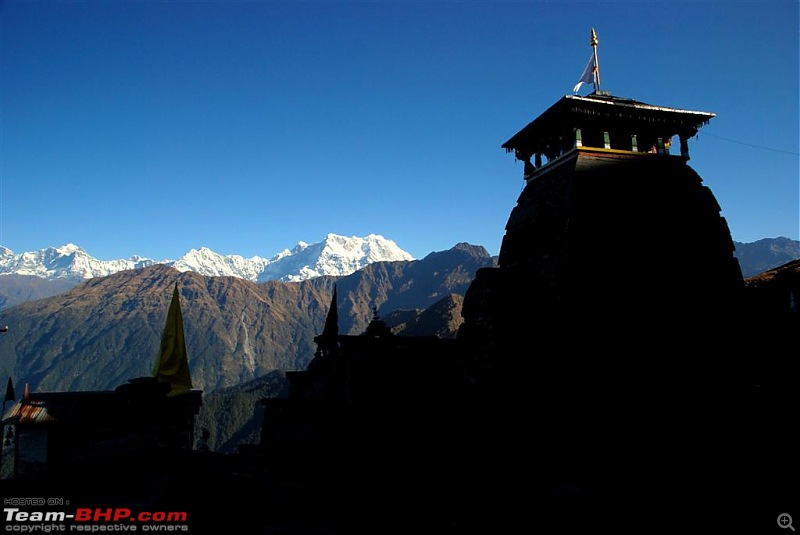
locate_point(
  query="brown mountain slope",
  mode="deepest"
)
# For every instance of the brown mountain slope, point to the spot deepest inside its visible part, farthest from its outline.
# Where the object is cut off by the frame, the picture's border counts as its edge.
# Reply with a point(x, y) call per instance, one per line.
point(441, 319)
point(107, 330)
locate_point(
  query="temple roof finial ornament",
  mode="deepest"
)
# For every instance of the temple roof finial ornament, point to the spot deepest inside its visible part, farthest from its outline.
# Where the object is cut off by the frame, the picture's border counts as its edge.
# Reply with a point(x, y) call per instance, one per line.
point(591, 74)
point(377, 328)
point(601, 122)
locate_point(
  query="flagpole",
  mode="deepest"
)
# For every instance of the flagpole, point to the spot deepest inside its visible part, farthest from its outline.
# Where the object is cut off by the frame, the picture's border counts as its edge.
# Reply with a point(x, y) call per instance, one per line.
point(593, 41)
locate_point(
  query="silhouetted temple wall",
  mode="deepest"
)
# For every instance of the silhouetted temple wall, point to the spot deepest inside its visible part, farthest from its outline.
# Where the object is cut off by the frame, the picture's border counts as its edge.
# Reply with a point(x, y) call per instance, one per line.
point(605, 242)
point(135, 426)
point(609, 326)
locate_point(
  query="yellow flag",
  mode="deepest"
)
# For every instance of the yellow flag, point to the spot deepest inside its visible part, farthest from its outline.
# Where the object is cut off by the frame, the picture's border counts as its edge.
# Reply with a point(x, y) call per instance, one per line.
point(172, 364)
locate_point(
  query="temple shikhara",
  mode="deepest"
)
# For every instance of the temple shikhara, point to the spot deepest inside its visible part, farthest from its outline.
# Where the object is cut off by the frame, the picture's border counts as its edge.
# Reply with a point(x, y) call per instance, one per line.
point(607, 194)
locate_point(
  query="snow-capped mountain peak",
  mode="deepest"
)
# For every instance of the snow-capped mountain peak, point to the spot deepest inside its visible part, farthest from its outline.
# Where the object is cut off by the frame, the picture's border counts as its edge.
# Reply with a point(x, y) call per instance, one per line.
point(206, 262)
point(68, 249)
point(336, 255)
point(66, 262)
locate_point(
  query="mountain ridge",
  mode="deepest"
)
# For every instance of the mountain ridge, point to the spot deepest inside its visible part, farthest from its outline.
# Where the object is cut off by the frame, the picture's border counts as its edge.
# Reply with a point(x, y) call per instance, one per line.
point(765, 254)
point(334, 255)
point(48, 272)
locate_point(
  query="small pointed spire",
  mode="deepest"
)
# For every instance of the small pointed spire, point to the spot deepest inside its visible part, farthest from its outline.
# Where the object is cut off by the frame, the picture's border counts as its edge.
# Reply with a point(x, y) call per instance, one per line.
point(331, 329)
point(328, 341)
point(172, 361)
point(26, 395)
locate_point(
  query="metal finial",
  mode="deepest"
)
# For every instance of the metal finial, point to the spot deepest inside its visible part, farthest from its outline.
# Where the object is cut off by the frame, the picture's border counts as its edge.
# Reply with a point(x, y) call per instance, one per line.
point(593, 41)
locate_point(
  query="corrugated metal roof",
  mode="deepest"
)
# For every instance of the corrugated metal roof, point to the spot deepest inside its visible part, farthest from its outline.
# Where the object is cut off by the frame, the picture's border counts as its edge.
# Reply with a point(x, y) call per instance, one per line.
point(47, 407)
point(89, 408)
point(32, 412)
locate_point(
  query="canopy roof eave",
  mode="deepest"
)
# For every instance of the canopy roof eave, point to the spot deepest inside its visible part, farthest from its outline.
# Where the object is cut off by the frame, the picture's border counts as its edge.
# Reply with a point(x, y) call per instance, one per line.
point(573, 111)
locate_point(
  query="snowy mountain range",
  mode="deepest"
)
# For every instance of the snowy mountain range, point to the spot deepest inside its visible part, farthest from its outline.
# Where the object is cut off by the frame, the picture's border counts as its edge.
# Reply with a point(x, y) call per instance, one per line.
point(335, 255)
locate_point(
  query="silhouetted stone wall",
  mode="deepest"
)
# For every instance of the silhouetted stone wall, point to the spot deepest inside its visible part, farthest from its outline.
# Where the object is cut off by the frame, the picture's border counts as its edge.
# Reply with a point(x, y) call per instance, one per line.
point(591, 247)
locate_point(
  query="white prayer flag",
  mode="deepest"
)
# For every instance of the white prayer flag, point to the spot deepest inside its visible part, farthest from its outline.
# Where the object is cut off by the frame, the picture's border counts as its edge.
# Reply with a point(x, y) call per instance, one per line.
point(588, 74)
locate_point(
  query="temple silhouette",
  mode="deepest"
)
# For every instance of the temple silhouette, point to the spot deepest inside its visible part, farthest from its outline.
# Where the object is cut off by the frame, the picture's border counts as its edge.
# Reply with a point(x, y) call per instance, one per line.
point(606, 373)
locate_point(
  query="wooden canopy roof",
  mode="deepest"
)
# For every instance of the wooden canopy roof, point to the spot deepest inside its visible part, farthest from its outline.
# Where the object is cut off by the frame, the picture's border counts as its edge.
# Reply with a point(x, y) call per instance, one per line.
point(606, 111)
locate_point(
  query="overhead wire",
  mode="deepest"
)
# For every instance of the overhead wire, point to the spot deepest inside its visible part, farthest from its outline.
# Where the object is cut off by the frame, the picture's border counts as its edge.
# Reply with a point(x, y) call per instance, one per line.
point(750, 144)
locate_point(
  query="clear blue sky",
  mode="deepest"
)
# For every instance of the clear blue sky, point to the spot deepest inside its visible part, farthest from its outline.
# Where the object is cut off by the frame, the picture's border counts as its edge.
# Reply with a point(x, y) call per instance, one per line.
point(155, 127)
